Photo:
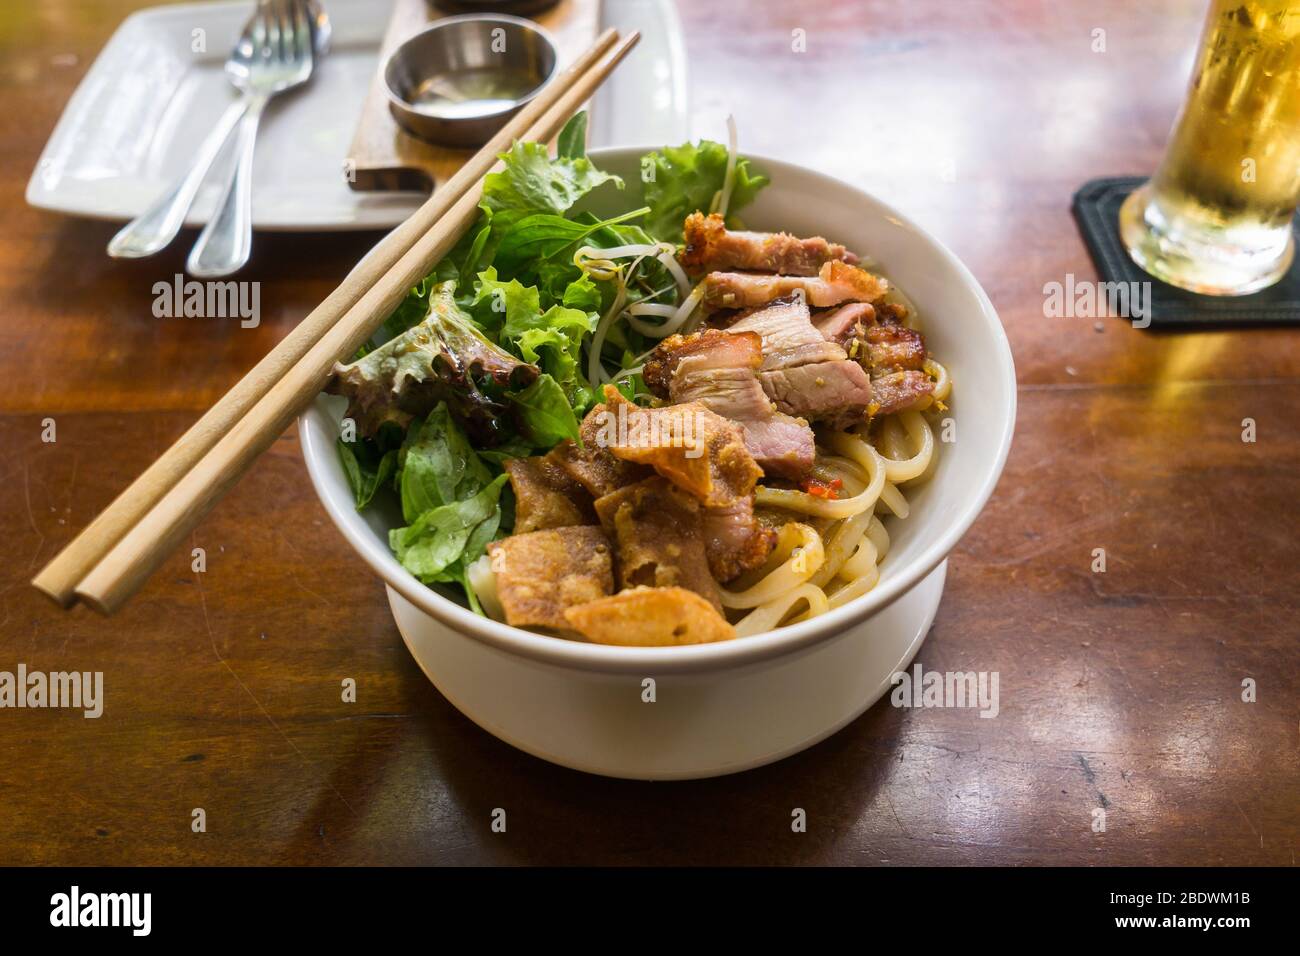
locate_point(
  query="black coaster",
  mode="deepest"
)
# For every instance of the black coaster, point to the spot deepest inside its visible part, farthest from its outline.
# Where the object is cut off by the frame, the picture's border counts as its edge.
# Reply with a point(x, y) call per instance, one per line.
point(1096, 209)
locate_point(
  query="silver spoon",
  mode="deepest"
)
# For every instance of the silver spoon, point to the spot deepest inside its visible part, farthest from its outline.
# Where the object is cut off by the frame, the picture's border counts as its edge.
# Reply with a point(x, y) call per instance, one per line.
point(277, 56)
point(155, 228)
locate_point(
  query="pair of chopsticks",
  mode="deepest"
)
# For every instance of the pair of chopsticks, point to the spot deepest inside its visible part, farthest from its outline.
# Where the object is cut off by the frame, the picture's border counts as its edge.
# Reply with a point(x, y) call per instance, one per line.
point(114, 555)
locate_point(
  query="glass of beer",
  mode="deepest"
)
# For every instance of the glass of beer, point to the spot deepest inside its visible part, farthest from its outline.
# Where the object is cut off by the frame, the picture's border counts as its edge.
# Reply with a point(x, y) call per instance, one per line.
point(1216, 216)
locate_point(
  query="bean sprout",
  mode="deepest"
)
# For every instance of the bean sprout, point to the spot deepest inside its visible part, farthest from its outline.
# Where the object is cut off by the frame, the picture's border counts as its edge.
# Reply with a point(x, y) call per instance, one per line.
point(724, 197)
point(668, 259)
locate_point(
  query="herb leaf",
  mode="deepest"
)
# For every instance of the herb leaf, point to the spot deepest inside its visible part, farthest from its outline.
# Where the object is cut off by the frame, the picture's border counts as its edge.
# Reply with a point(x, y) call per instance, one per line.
point(441, 536)
point(572, 142)
point(438, 465)
point(545, 413)
point(542, 236)
point(365, 473)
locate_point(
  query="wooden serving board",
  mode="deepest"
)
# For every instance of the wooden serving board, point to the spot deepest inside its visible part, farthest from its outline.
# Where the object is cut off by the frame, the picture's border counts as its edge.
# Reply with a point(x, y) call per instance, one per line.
point(384, 157)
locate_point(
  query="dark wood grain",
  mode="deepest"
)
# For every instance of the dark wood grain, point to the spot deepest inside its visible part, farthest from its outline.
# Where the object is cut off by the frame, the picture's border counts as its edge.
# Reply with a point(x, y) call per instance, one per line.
point(1119, 690)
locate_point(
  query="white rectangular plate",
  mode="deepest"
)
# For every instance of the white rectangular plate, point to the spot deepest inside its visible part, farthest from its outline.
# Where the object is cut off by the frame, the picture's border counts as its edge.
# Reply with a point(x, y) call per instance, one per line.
point(133, 124)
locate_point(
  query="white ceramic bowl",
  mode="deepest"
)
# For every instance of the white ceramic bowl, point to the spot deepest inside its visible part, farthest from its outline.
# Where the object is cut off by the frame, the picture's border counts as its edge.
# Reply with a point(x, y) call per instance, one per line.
point(719, 708)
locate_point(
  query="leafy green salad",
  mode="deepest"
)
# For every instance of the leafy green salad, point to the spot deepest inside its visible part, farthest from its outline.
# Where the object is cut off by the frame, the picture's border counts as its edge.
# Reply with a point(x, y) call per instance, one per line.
point(502, 349)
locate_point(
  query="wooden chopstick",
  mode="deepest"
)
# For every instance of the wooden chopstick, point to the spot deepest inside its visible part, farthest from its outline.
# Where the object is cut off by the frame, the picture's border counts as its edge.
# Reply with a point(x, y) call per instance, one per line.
point(60, 577)
point(144, 547)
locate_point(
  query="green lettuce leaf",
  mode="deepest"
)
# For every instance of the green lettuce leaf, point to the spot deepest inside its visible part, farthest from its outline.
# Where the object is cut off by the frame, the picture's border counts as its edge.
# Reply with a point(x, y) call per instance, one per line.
point(582, 293)
point(683, 179)
point(554, 344)
point(468, 260)
point(497, 303)
point(556, 324)
point(552, 340)
point(445, 356)
point(409, 312)
point(452, 505)
point(535, 182)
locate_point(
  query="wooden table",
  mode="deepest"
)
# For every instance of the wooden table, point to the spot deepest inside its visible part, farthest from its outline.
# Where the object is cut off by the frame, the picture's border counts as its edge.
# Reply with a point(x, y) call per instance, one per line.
point(1119, 690)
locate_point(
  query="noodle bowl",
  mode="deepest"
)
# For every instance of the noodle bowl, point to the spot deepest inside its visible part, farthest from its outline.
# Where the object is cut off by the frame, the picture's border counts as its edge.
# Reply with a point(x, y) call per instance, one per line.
point(729, 706)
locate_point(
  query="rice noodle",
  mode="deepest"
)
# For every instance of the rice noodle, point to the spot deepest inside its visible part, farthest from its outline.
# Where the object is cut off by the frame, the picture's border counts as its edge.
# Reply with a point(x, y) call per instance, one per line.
point(942, 380)
point(879, 536)
point(854, 589)
point(893, 499)
point(853, 447)
point(861, 563)
point(804, 554)
point(856, 541)
point(770, 615)
point(922, 438)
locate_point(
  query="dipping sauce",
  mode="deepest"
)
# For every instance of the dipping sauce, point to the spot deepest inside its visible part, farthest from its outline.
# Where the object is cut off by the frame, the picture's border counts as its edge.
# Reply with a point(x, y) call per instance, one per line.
point(470, 93)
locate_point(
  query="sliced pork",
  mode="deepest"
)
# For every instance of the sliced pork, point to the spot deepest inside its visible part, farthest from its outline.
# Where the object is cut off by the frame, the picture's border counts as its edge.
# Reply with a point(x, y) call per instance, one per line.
point(710, 349)
point(717, 369)
point(542, 573)
point(787, 335)
point(783, 445)
point(546, 496)
point(892, 347)
point(734, 541)
point(900, 391)
point(803, 373)
point(846, 323)
point(894, 357)
point(835, 282)
point(658, 538)
point(838, 393)
point(712, 247)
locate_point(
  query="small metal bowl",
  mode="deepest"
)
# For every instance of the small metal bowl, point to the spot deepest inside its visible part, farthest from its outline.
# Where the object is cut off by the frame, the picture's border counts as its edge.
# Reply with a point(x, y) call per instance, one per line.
point(459, 81)
point(520, 8)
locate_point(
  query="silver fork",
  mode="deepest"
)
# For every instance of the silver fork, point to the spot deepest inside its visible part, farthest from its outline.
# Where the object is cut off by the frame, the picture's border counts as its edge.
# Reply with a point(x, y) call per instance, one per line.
point(158, 225)
point(274, 56)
